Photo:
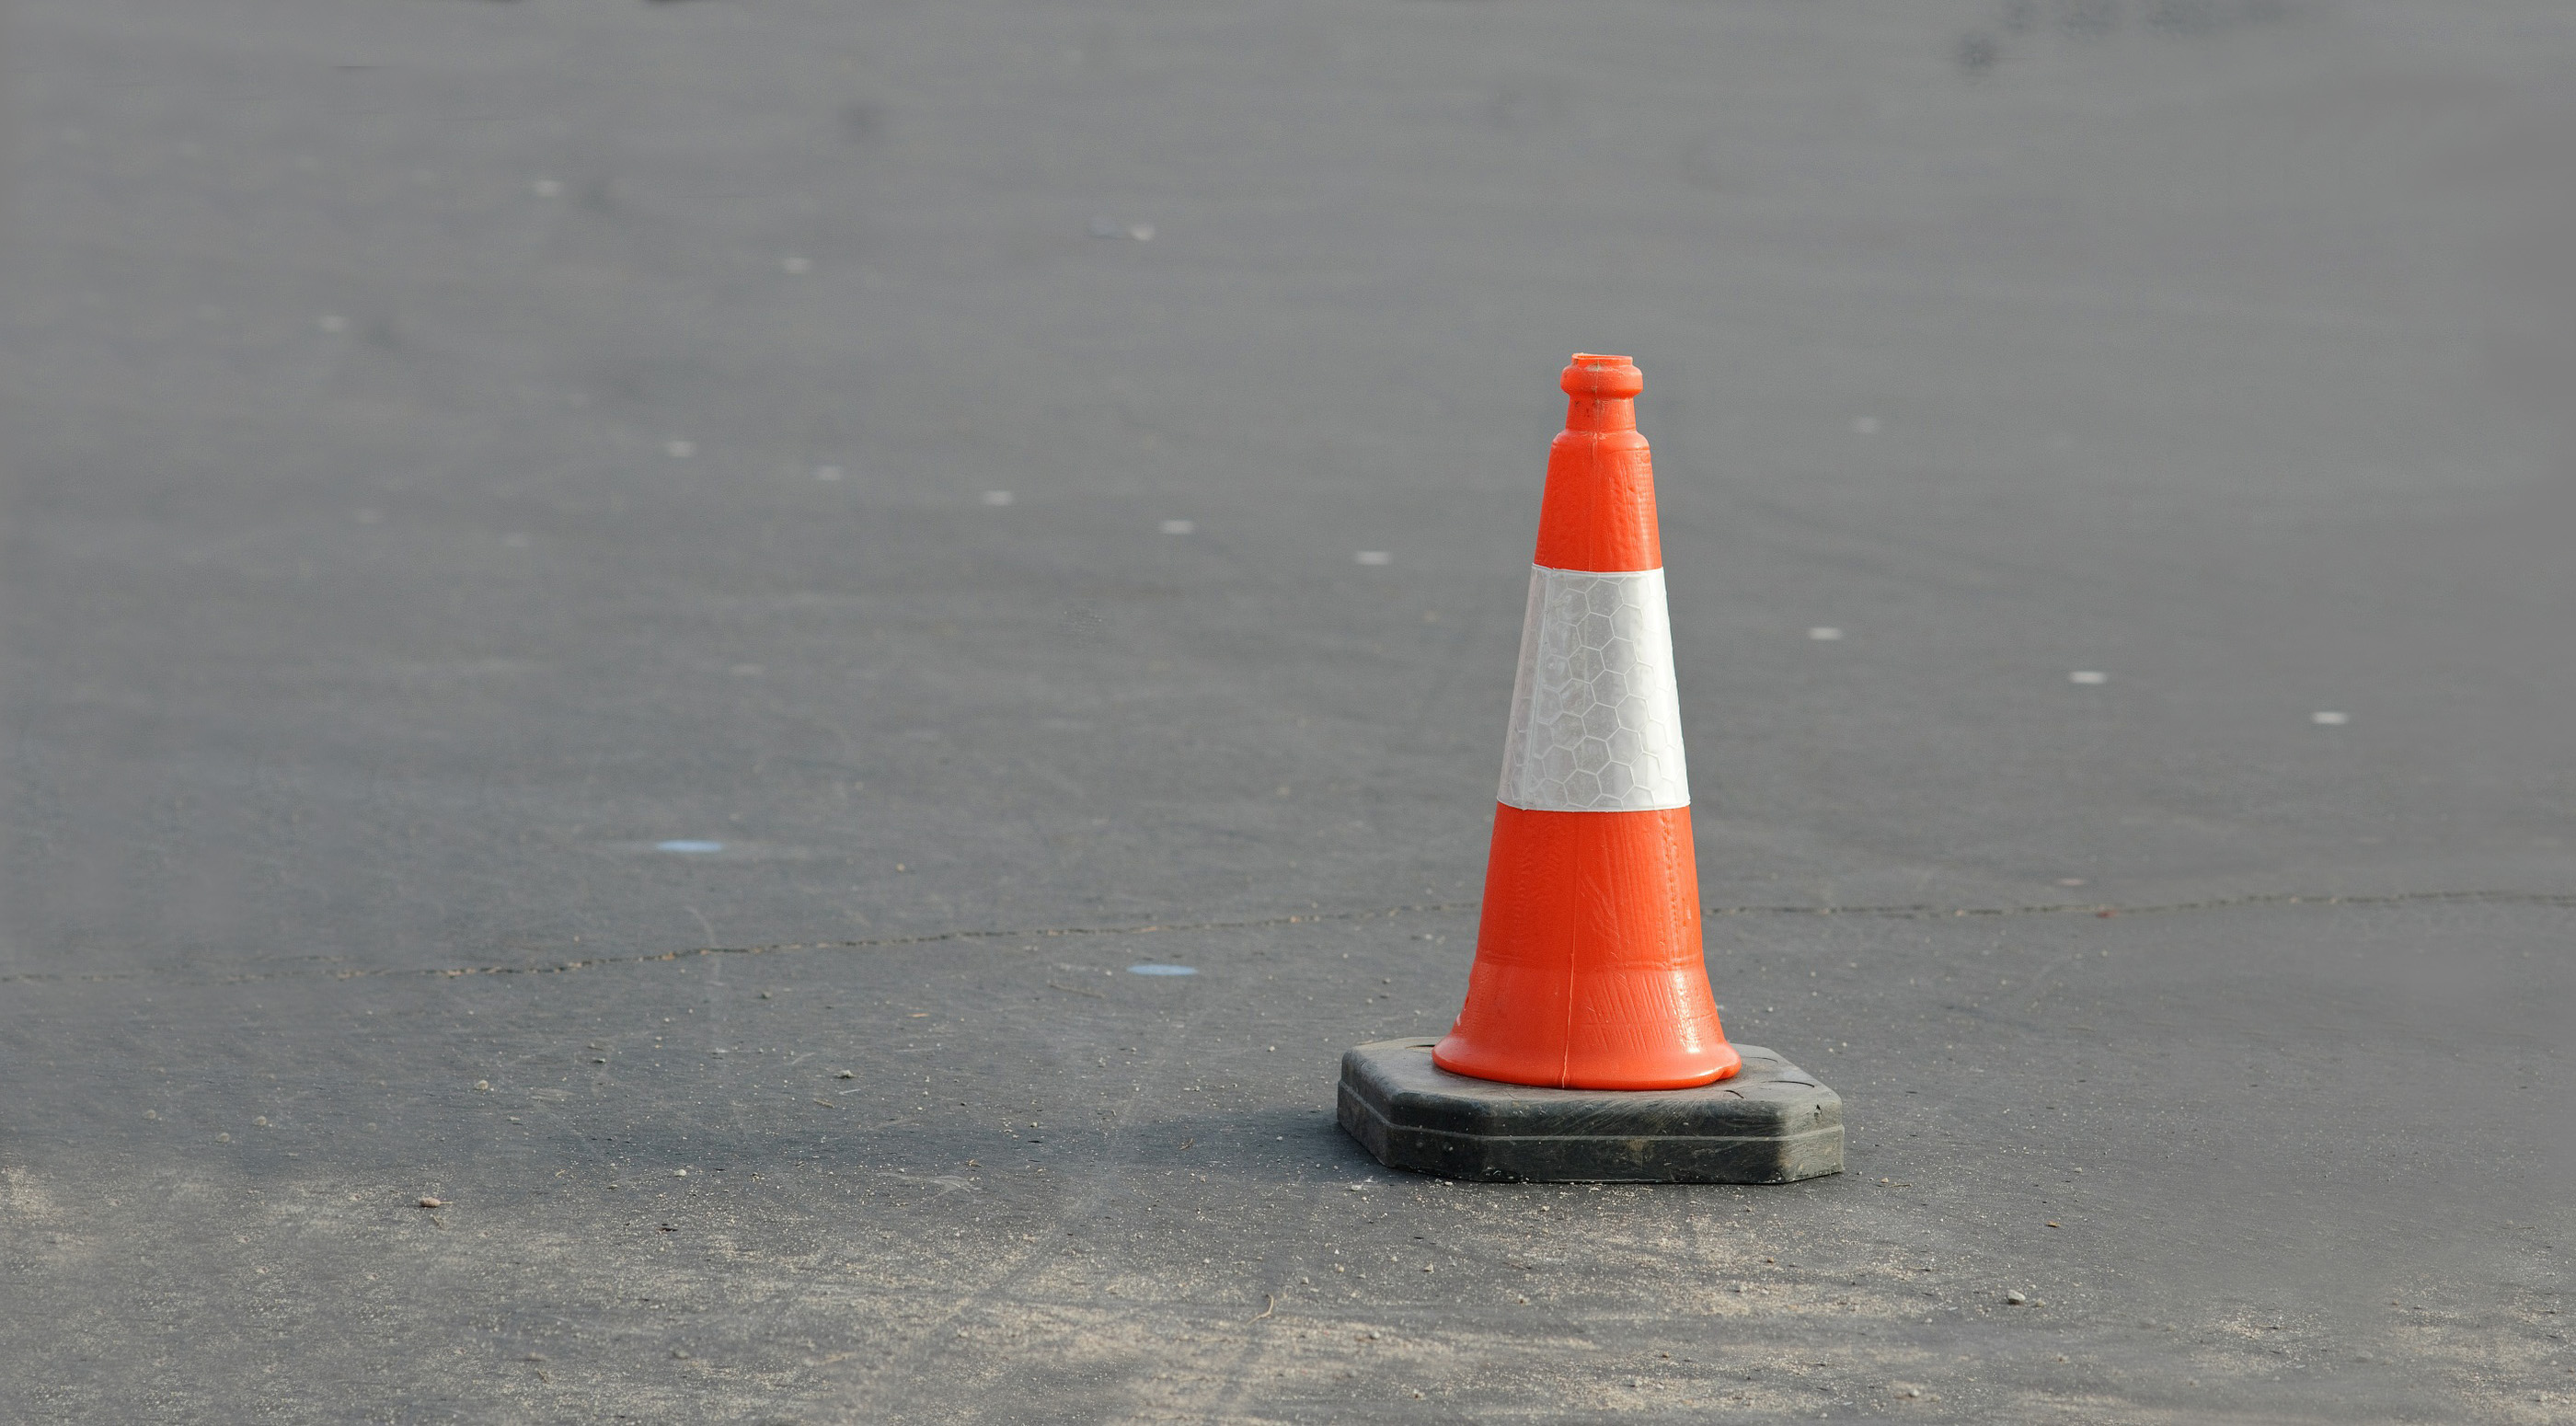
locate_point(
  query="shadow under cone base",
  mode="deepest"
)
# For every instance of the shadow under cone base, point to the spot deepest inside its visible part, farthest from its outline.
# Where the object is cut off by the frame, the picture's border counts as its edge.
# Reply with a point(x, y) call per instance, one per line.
point(1770, 1123)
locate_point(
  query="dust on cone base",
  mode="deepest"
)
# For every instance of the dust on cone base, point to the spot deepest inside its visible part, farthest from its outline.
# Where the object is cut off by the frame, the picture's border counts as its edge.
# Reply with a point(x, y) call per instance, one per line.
point(1588, 972)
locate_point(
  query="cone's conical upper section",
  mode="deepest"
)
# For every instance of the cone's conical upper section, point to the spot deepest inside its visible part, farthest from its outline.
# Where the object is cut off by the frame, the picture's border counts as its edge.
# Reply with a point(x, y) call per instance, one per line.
point(1599, 510)
point(1588, 970)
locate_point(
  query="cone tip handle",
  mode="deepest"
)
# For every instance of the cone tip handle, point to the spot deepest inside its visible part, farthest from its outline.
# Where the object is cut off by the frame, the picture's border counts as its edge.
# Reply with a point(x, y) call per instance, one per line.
point(1602, 378)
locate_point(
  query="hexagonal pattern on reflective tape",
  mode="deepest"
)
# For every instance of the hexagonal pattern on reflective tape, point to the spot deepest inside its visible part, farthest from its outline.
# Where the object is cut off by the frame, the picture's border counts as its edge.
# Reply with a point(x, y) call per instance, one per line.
point(1596, 723)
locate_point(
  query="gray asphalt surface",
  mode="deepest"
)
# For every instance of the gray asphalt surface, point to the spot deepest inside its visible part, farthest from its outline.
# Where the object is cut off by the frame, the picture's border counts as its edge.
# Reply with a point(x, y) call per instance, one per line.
point(453, 449)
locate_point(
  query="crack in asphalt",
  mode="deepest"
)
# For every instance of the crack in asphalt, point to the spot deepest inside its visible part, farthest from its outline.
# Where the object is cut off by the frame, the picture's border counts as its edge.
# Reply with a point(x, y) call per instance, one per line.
point(1895, 912)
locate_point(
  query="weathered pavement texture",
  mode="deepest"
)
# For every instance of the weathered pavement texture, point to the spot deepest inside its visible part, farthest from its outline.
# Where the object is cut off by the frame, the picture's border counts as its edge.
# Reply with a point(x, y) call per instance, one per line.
point(453, 450)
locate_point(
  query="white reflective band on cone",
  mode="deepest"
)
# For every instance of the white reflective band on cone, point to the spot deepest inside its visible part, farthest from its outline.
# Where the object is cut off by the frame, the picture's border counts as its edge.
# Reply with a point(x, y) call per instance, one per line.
point(1596, 723)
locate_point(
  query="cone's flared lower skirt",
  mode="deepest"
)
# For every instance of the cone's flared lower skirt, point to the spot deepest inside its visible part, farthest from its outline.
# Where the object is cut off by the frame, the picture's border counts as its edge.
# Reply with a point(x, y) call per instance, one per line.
point(1588, 972)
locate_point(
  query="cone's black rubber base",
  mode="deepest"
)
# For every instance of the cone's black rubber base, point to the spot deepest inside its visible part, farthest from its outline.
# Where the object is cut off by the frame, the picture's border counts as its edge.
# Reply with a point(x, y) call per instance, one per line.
point(1770, 1122)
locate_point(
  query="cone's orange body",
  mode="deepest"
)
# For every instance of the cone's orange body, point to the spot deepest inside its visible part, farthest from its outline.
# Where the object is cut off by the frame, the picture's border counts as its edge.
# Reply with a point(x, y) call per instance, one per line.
point(1588, 971)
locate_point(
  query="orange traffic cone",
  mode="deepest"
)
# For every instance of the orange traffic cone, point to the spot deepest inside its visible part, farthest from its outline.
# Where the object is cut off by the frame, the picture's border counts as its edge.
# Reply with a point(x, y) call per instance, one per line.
point(1588, 972)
